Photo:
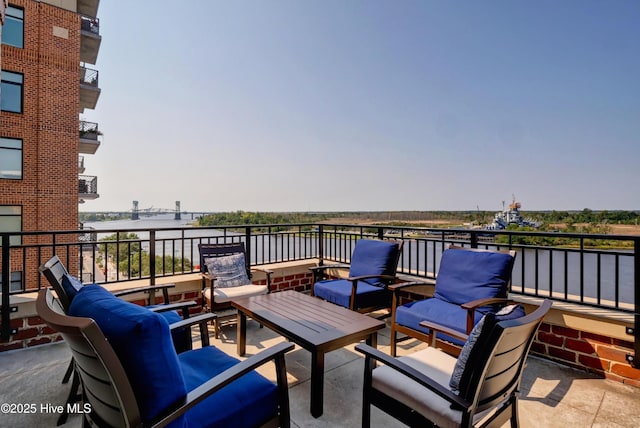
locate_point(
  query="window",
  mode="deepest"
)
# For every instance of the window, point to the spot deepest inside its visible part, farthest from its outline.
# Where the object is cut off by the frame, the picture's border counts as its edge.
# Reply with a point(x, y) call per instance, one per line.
point(13, 29)
point(10, 158)
point(11, 221)
point(15, 282)
point(11, 90)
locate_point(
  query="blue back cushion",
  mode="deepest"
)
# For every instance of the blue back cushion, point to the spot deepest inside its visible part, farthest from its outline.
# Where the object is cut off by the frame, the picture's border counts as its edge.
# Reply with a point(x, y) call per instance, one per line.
point(374, 258)
point(466, 275)
point(142, 340)
point(71, 286)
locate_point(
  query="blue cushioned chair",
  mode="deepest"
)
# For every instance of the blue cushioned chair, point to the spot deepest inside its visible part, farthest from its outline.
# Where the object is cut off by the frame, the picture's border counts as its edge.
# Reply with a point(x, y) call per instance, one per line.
point(132, 376)
point(67, 287)
point(373, 267)
point(469, 284)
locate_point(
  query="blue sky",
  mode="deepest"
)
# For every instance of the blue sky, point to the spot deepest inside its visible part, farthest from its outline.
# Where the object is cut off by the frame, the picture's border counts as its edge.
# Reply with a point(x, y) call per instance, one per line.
point(368, 105)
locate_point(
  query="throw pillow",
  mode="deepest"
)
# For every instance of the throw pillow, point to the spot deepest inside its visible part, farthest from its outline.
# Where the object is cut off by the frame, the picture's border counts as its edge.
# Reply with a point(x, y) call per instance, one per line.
point(229, 271)
point(469, 358)
point(71, 286)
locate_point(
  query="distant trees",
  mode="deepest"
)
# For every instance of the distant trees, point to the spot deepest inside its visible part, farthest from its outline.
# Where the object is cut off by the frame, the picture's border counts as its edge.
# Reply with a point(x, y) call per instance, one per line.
point(124, 250)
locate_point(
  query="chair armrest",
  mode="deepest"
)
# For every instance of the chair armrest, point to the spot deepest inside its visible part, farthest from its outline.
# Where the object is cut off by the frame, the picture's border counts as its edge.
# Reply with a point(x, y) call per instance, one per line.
point(181, 306)
point(363, 277)
point(442, 329)
point(469, 306)
point(148, 289)
point(323, 267)
point(201, 321)
point(401, 285)
point(410, 372)
point(275, 353)
point(263, 270)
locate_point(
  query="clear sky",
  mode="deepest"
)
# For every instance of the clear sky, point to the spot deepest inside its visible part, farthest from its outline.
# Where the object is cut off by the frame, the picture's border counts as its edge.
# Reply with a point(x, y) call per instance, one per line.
point(340, 105)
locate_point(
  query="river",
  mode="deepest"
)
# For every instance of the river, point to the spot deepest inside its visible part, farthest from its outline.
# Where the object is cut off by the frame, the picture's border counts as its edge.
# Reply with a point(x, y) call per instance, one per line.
point(555, 268)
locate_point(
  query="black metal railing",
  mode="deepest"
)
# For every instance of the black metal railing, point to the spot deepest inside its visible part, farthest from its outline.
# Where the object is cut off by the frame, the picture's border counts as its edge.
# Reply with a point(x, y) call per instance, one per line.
point(600, 271)
point(88, 130)
point(88, 185)
point(89, 77)
point(90, 24)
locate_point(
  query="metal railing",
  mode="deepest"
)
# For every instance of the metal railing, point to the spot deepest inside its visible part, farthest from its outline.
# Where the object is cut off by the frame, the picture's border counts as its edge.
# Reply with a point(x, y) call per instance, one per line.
point(90, 24)
point(600, 271)
point(87, 184)
point(89, 77)
point(88, 130)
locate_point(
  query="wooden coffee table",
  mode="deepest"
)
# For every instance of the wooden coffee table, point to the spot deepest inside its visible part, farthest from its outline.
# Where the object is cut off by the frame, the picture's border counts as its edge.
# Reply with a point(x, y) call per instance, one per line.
point(314, 324)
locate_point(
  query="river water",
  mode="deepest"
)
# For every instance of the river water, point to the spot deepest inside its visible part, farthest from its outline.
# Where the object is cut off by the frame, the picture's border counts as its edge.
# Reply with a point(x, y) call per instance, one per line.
point(563, 271)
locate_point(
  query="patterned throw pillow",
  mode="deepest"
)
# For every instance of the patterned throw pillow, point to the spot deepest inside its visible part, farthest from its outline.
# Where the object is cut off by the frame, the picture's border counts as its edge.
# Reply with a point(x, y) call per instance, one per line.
point(229, 271)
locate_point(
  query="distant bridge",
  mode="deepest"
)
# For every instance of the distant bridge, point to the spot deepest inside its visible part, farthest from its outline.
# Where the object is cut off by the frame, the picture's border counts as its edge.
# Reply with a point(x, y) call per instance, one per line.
point(136, 211)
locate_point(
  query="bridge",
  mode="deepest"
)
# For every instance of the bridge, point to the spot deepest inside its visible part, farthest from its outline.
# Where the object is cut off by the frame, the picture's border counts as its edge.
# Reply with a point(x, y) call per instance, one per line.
point(136, 211)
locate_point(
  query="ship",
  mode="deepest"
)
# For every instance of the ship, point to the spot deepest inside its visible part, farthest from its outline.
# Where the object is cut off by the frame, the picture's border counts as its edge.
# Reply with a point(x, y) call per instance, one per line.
point(504, 218)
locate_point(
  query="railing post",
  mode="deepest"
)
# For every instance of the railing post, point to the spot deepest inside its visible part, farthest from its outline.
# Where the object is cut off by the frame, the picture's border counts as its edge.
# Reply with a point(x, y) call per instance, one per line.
point(633, 359)
point(152, 257)
point(6, 287)
point(321, 244)
point(380, 233)
point(247, 240)
point(473, 239)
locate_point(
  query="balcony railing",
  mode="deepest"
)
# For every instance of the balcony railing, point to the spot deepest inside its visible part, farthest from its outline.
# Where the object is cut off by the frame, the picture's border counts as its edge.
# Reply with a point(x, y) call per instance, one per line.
point(90, 39)
point(599, 271)
point(88, 186)
point(89, 90)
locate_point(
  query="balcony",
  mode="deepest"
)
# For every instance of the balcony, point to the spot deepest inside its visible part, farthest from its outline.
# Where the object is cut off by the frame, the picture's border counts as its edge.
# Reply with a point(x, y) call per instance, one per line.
point(88, 187)
point(89, 90)
point(88, 7)
point(88, 133)
point(89, 39)
point(551, 395)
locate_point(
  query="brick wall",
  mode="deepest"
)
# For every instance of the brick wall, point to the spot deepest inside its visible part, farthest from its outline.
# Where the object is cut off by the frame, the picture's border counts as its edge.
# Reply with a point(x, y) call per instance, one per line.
point(594, 353)
point(48, 126)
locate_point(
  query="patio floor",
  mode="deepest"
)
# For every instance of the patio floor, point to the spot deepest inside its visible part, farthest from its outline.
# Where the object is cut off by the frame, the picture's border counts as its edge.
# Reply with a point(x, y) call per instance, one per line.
point(552, 395)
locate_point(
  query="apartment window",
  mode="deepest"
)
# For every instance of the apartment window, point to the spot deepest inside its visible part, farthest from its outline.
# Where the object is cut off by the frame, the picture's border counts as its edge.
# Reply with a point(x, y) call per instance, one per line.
point(10, 158)
point(15, 282)
point(11, 221)
point(13, 29)
point(11, 89)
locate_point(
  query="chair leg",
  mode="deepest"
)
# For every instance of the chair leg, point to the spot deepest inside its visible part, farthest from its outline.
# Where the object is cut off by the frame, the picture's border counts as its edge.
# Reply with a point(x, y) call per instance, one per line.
point(216, 328)
point(394, 340)
point(514, 413)
point(67, 374)
point(71, 398)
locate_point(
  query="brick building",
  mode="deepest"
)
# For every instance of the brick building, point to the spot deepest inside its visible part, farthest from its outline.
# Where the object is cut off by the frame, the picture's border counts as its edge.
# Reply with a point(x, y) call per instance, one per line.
point(46, 85)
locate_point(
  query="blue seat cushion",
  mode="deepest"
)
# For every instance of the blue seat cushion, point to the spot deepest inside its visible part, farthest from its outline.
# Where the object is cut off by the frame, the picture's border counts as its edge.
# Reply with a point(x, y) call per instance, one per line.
point(371, 257)
point(338, 291)
point(466, 275)
point(247, 402)
point(142, 340)
point(440, 312)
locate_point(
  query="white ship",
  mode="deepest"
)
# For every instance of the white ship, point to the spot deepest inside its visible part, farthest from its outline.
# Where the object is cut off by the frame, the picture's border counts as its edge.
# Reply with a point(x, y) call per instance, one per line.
point(509, 216)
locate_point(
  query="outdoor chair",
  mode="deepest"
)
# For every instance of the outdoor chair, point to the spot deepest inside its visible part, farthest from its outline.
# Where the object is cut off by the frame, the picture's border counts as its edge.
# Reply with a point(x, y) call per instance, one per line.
point(67, 286)
point(226, 275)
point(432, 388)
point(469, 284)
point(132, 376)
point(373, 267)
